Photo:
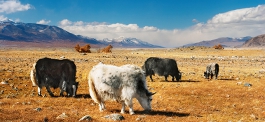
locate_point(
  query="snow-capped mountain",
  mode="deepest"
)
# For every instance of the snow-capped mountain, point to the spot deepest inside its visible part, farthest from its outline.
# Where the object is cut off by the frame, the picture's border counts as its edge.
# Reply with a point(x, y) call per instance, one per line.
point(129, 42)
point(30, 32)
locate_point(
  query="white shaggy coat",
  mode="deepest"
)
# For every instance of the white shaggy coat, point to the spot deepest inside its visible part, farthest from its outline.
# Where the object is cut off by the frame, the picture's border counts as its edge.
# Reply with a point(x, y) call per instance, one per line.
point(33, 75)
point(109, 82)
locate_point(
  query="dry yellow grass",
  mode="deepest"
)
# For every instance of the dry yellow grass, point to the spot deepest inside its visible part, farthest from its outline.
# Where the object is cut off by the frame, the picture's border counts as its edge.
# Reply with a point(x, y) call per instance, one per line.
point(192, 99)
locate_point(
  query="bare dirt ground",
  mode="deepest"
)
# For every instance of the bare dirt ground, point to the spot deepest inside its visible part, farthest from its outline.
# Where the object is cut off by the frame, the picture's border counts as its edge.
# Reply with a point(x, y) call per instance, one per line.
point(192, 99)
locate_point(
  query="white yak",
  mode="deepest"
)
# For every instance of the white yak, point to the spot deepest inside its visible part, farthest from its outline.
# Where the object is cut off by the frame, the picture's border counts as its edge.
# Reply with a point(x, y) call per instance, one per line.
point(109, 82)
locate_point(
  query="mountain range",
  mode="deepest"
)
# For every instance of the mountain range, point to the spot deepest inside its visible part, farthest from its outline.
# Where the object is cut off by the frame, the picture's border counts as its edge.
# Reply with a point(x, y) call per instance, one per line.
point(16, 32)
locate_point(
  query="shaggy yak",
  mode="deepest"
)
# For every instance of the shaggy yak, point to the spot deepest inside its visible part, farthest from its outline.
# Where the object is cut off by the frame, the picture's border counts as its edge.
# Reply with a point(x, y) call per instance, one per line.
point(55, 73)
point(162, 67)
point(119, 83)
point(212, 69)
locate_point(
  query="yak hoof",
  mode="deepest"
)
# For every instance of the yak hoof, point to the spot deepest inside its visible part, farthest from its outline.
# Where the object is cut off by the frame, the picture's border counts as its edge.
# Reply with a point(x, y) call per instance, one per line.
point(122, 112)
point(132, 113)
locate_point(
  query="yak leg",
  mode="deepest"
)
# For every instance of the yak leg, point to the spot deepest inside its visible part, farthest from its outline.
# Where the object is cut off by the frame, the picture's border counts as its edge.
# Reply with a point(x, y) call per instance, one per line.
point(130, 104)
point(61, 92)
point(63, 88)
point(152, 73)
point(101, 106)
point(123, 107)
point(166, 77)
point(151, 78)
point(216, 75)
point(39, 91)
point(173, 77)
point(49, 91)
point(211, 76)
point(74, 90)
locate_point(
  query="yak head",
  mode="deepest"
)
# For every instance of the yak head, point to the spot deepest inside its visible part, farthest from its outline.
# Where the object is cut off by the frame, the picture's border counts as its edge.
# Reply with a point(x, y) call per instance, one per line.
point(72, 89)
point(145, 100)
point(143, 96)
point(178, 76)
point(206, 75)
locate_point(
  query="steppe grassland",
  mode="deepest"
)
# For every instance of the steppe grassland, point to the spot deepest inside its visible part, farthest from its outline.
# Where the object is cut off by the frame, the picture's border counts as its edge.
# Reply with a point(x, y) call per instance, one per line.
point(192, 99)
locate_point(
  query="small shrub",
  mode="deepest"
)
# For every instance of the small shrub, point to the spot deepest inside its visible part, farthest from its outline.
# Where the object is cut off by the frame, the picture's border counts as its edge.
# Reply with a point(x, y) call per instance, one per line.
point(219, 47)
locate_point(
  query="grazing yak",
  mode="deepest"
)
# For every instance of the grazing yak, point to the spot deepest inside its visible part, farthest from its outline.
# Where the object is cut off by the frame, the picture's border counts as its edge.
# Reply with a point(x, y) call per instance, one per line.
point(109, 82)
point(162, 67)
point(56, 73)
point(212, 69)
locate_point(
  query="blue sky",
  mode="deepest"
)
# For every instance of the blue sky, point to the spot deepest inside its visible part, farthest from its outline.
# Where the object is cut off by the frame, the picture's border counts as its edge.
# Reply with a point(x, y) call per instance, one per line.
point(168, 23)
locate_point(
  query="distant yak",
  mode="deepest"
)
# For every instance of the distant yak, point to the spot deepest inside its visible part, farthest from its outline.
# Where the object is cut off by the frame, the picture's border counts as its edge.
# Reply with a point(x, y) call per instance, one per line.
point(212, 69)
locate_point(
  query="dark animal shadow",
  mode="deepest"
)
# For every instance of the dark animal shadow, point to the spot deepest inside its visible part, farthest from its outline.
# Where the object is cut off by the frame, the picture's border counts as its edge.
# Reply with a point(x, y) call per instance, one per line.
point(82, 96)
point(181, 81)
point(77, 96)
point(54, 96)
point(163, 113)
point(226, 79)
point(188, 81)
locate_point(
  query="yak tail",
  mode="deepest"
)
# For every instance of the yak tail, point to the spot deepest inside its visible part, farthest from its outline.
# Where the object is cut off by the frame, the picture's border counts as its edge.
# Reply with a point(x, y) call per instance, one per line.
point(33, 75)
point(92, 91)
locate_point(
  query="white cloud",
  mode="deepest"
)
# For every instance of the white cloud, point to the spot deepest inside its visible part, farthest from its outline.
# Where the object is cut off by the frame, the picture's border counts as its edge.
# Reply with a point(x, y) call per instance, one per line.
point(3, 18)
point(11, 6)
point(246, 15)
point(65, 22)
point(235, 23)
point(195, 21)
point(17, 20)
point(43, 22)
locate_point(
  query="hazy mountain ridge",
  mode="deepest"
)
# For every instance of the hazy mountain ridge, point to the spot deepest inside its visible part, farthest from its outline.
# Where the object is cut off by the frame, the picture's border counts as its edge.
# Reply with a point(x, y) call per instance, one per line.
point(258, 41)
point(224, 41)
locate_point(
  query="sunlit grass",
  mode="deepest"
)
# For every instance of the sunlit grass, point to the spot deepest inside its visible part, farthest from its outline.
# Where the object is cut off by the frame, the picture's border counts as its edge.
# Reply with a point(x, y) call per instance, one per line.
point(192, 99)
